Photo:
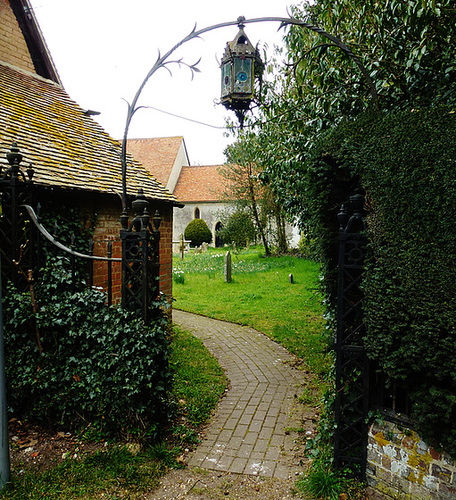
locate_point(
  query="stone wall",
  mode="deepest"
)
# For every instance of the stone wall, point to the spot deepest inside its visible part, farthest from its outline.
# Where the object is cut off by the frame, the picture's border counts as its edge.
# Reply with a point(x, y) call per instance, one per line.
point(403, 467)
point(209, 212)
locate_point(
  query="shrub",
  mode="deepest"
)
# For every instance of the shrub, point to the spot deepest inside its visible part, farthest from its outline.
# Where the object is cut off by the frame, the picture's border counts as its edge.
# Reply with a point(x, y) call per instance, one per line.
point(239, 230)
point(197, 232)
point(97, 365)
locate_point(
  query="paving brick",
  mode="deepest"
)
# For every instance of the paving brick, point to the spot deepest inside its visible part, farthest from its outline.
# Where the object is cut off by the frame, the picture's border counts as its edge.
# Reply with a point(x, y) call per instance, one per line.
point(247, 434)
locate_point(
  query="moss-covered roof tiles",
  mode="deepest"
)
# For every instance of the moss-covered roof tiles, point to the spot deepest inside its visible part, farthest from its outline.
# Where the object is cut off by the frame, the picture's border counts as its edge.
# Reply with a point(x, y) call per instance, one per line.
point(67, 148)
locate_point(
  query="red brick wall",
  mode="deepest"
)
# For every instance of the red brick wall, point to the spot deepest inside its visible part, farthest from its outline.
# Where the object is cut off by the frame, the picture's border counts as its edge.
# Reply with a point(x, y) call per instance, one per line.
point(108, 229)
point(166, 249)
point(13, 49)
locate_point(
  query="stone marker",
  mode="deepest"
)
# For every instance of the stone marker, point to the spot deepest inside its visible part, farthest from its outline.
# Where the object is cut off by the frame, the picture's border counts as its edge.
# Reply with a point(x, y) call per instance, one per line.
point(228, 267)
point(290, 278)
point(181, 247)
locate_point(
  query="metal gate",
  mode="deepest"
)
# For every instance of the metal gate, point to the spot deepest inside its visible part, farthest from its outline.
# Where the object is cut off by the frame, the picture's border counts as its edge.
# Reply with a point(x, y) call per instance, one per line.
point(352, 368)
point(140, 261)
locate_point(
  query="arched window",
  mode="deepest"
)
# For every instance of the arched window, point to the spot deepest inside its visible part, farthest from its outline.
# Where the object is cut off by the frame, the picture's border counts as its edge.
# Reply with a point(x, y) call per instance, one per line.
point(197, 213)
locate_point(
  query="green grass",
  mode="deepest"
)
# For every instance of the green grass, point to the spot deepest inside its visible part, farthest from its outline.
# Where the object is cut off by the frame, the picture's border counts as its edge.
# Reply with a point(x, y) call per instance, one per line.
point(261, 296)
point(120, 472)
point(201, 381)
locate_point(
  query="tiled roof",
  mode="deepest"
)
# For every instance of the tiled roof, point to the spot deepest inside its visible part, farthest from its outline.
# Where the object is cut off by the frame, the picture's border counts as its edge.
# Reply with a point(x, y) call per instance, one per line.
point(157, 154)
point(67, 148)
point(201, 184)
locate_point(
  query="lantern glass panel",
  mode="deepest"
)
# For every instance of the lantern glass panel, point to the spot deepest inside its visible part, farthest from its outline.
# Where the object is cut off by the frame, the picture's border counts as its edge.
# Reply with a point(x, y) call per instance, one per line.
point(226, 79)
point(243, 76)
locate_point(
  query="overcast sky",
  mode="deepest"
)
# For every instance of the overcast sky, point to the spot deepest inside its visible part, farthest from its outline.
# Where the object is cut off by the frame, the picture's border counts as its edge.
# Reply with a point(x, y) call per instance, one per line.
point(103, 49)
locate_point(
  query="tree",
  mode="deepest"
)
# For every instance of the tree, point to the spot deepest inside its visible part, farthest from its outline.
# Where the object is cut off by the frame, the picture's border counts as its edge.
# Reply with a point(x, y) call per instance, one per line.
point(408, 50)
point(239, 229)
point(249, 188)
point(197, 232)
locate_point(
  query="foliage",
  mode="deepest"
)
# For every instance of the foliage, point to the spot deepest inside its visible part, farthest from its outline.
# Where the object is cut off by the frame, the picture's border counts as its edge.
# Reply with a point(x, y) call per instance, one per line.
point(239, 230)
point(327, 130)
point(407, 49)
point(67, 222)
point(406, 163)
point(197, 232)
point(76, 362)
point(133, 471)
point(321, 481)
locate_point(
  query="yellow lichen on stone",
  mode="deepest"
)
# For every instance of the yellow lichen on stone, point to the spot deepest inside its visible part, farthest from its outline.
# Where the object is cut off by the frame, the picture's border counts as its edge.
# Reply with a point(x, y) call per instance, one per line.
point(381, 440)
point(412, 477)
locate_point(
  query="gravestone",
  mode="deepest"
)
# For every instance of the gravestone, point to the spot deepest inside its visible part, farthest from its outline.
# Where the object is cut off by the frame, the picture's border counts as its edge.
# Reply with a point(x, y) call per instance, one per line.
point(228, 267)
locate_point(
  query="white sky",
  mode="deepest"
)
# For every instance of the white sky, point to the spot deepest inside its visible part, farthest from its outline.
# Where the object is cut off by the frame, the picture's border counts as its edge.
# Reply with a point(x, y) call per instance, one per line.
point(103, 49)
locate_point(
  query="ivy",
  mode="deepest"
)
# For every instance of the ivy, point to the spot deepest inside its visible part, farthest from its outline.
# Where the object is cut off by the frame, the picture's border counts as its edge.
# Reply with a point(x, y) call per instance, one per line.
point(76, 362)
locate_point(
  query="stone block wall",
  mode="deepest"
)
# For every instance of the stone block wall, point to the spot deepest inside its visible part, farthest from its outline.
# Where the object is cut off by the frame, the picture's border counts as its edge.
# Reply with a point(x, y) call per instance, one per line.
point(402, 466)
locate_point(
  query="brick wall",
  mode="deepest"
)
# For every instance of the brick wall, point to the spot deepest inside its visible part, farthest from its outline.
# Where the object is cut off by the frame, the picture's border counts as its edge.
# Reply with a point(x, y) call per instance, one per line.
point(108, 229)
point(401, 466)
point(13, 49)
point(166, 249)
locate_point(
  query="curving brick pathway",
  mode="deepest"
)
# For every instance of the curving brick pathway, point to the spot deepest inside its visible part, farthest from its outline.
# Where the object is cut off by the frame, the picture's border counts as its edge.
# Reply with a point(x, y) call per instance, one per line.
point(254, 428)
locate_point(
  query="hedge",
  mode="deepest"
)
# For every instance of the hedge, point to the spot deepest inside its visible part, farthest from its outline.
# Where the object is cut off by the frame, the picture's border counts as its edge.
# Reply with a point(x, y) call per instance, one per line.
point(406, 162)
point(197, 232)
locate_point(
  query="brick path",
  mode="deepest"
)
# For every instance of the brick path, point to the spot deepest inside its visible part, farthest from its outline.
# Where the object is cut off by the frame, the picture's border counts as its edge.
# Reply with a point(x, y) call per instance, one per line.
point(254, 429)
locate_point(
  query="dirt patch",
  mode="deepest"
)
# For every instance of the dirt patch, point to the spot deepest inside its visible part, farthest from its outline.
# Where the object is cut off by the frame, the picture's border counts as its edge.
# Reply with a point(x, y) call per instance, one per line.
point(33, 448)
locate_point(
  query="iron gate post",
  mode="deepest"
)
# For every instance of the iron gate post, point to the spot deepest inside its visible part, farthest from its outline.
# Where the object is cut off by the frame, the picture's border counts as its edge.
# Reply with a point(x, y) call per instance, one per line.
point(140, 261)
point(15, 233)
point(352, 369)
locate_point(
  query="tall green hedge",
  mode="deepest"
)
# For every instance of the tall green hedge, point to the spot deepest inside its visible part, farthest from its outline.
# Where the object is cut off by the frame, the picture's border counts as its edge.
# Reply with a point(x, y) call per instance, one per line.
point(407, 163)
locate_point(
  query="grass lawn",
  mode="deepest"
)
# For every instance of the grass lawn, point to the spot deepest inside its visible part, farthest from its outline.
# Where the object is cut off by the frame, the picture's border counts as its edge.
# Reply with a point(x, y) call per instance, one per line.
point(261, 296)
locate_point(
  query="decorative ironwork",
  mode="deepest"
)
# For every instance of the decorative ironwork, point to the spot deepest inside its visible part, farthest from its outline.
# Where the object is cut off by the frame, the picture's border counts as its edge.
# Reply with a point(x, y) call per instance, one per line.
point(140, 261)
point(164, 62)
point(18, 252)
point(352, 369)
point(21, 230)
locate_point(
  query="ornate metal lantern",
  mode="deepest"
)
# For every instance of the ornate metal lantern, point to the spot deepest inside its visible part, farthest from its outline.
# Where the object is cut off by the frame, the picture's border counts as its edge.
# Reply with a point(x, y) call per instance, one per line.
point(241, 67)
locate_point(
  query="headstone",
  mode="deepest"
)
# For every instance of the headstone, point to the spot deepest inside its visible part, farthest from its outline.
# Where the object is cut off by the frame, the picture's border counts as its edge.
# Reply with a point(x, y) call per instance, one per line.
point(204, 247)
point(228, 267)
point(181, 247)
point(290, 278)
